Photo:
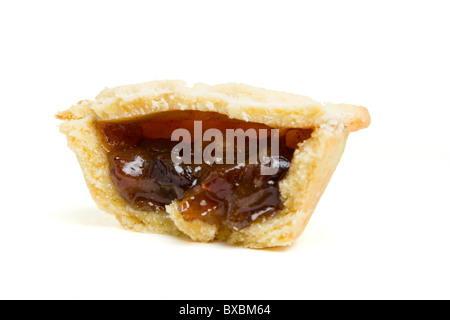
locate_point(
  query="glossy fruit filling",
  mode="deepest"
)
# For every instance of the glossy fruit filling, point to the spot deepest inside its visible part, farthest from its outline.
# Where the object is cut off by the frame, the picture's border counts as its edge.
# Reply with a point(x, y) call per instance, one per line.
point(234, 194)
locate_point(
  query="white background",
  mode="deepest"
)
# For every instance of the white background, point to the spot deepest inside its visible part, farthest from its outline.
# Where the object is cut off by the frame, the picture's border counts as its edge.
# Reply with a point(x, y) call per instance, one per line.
point(380, 231)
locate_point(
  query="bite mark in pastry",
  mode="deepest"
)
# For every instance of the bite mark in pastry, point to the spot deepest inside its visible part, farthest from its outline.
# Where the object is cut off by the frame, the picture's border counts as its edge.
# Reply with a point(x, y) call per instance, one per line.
point(122, 140)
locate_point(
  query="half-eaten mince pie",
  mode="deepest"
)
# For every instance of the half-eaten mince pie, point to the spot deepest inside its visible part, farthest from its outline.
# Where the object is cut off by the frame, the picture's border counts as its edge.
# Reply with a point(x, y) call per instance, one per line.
point(228, 162)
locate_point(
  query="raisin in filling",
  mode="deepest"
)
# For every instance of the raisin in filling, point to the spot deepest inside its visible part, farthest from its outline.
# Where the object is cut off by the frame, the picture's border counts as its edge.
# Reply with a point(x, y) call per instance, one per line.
point(235, 195)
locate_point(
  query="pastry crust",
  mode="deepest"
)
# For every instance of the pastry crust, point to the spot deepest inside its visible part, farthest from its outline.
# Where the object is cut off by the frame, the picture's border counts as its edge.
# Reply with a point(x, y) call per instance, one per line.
point(311, 168)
